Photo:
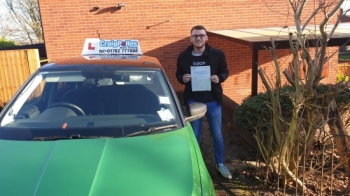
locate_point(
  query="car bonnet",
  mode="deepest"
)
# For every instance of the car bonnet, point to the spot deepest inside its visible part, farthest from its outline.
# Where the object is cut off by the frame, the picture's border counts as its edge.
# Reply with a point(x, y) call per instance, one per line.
point(155, 164)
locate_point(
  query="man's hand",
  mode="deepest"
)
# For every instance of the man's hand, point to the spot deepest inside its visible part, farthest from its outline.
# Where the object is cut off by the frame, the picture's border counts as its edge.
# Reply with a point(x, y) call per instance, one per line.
point(186, 78)
point(214, 79)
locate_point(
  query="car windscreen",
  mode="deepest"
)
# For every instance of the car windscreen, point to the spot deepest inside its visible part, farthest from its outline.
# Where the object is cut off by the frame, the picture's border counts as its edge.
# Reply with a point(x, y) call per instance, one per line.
point(98, 102)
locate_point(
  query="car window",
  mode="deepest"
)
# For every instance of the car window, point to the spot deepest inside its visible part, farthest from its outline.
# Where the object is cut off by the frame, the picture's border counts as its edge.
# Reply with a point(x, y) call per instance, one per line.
point(105, 102)
point(33, 97)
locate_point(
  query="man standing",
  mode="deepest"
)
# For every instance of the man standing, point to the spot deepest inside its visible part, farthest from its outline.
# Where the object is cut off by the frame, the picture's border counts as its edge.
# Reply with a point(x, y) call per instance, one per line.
point(201, 54)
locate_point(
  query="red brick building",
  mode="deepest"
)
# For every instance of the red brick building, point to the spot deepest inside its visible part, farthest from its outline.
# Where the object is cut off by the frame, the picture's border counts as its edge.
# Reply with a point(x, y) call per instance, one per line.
point(163, 28)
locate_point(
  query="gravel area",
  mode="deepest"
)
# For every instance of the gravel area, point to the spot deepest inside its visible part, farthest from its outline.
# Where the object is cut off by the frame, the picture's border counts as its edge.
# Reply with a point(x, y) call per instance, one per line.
point(240, 158)
point(236, 150)
point(236, 154)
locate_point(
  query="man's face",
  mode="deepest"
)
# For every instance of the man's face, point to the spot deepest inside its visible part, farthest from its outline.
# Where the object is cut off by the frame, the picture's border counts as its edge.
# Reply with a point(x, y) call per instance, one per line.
point(198, 38)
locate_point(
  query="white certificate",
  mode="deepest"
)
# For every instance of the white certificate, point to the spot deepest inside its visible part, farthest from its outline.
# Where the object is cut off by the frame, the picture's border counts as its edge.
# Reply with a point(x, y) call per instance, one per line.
point(200, 78)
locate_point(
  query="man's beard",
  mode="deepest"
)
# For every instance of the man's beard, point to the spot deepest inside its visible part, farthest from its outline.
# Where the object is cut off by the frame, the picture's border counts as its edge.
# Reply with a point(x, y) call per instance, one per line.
point(199, 47)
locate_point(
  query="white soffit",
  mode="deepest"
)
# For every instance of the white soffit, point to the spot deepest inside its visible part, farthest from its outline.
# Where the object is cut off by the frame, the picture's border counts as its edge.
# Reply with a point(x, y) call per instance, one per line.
point(266, 33)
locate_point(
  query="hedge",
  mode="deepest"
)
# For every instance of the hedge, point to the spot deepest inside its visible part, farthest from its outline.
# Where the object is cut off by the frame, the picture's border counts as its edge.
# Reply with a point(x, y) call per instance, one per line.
point(255, 113)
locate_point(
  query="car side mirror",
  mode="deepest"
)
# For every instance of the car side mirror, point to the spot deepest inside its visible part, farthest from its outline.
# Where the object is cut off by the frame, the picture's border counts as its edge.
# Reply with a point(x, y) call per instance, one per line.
point(197, 110)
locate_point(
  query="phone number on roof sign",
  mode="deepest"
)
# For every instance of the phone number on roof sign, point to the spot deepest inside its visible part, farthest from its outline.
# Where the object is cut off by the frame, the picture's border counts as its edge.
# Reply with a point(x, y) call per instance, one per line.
point(112, 56)
point(120, 51)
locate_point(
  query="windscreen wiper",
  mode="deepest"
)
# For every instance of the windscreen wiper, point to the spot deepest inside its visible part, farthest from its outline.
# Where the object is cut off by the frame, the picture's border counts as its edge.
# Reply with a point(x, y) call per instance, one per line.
point(151, 129)
point(63, 137)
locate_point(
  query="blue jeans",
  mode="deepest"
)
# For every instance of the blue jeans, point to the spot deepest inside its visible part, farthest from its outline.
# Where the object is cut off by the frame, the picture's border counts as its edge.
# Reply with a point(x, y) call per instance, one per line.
point(213, 115)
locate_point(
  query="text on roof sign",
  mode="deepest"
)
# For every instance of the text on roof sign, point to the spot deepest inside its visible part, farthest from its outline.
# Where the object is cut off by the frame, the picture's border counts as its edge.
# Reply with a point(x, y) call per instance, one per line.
point(95, 46)
point(118, 43)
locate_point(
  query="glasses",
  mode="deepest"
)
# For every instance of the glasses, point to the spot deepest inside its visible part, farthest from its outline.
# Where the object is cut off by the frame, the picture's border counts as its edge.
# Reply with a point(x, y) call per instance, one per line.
point(196, 36)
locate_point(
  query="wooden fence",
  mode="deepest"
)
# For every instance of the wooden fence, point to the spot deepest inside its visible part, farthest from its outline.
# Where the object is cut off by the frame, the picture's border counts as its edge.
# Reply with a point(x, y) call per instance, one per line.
point(344, 68)
point(15, 67)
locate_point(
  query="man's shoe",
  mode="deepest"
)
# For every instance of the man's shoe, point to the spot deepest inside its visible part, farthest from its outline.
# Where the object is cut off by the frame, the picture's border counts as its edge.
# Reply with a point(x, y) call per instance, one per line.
point(224, 171)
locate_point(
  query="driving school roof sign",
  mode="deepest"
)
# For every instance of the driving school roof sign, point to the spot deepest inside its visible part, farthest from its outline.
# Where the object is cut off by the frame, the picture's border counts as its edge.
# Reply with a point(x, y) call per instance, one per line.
point(124, 47)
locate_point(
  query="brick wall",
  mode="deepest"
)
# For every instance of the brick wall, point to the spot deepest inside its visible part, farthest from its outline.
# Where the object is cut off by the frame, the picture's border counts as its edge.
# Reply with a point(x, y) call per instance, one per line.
point(285, 57)
point(238, 57)
point(66, 24)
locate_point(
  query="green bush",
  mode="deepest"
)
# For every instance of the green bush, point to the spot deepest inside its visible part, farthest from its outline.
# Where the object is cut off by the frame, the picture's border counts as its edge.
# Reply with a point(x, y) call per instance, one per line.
point(342, 98)
point(341, 78)
point(255, 113)
point(252, 112)
point(6, 43)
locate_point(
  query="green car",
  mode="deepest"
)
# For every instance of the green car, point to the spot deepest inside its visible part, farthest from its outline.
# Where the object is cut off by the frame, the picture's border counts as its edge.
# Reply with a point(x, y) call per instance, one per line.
point(100, 124)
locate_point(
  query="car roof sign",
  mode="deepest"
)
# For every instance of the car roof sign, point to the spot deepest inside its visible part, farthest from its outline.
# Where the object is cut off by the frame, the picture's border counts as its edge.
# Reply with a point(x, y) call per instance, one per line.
point(96, 46)
point(111, 56)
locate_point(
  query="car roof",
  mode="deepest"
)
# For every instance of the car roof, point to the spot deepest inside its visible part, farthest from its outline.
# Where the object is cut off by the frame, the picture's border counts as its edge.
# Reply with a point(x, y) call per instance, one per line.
point(104, 60)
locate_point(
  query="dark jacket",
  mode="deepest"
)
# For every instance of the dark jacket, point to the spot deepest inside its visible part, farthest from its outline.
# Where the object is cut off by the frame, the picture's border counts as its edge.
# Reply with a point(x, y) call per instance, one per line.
point(218, 66)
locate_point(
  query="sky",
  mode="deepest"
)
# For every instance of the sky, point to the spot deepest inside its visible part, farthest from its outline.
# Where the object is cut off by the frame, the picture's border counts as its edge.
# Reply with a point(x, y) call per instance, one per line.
point(2, 14)
point(2, 9)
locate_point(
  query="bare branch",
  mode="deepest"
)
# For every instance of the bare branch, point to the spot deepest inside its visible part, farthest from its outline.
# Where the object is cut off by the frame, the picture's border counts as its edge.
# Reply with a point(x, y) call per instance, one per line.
point(312, 15)
point(301, 8)
point(264, 80)
point(25, 19)
point(288, 77)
